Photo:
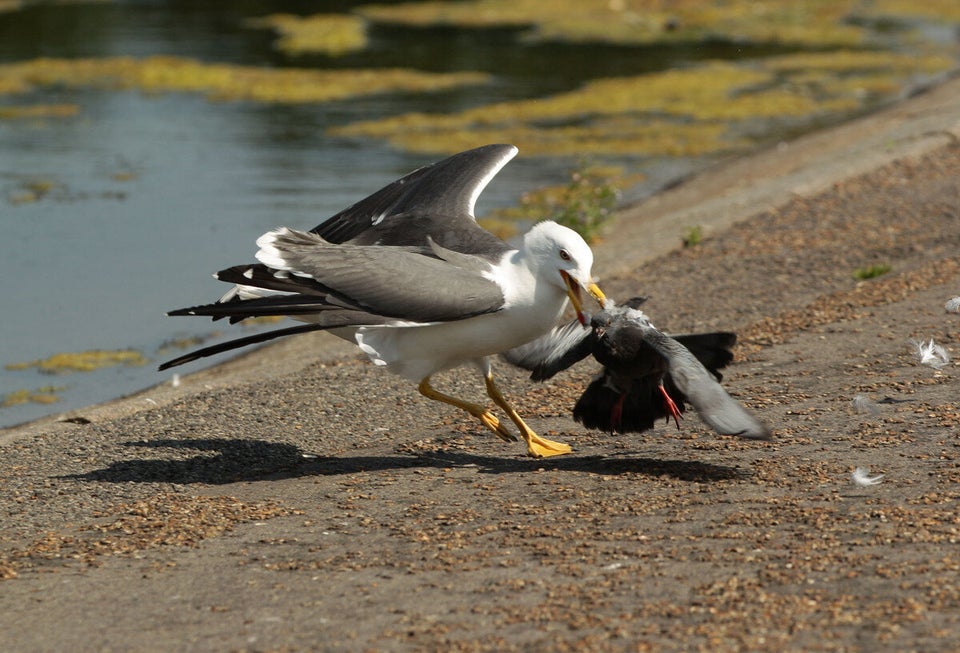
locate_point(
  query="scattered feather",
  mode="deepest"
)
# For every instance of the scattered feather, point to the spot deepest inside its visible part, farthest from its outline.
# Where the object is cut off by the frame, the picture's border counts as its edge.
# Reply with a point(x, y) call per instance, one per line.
point(953, 305)
point(175, 380)
point(862, 477)
point(930, 353)
point(864, 406)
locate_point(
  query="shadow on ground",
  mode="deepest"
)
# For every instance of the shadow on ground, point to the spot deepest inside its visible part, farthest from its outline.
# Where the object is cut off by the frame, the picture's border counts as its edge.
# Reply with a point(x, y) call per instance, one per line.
point(237, 460)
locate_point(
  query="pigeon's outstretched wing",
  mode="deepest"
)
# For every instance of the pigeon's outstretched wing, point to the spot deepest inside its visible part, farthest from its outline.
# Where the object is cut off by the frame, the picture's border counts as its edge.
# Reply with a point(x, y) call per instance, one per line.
point(554, 352)
point(562, 347)
point(713, 404)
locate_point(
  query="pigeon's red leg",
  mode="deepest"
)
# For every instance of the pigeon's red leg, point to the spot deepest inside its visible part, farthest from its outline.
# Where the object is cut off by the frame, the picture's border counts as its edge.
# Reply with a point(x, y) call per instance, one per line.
point(616, 413)
point(671, 406)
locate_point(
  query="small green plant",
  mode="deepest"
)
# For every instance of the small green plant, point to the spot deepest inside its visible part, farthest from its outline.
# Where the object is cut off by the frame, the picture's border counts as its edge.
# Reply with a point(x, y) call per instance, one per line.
point(584, 204)
point(587, 203)
point(693, 236)
point(871, 271)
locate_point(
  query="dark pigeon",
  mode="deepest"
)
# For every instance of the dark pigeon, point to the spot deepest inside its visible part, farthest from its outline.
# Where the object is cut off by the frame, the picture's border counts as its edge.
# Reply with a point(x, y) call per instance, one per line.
point(647, 375)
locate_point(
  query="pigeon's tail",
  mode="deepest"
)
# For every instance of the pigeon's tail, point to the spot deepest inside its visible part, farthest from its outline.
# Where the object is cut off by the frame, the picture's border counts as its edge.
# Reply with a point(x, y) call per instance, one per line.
point(711, 349)
point(603, 406)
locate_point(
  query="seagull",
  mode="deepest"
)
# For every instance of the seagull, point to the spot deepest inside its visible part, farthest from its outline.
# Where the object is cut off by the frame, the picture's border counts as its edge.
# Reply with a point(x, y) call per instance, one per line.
point(410, 277)
point(647, 374)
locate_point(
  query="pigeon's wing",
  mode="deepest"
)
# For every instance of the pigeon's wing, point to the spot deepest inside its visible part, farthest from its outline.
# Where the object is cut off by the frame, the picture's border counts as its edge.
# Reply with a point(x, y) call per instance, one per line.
point(554, 352)
point(714, 406)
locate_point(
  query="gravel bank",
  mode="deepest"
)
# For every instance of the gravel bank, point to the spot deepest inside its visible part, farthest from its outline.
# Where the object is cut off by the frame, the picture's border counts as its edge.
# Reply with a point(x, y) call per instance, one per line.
point(300, 499)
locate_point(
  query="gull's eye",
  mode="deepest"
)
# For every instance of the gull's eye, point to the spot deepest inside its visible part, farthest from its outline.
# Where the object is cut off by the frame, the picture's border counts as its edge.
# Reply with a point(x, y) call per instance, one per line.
point(565, 255)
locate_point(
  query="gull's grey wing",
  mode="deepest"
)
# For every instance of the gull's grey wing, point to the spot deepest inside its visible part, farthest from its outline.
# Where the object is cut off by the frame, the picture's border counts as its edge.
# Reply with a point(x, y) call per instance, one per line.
point(714, 406)
point(554, 352)
point(435, 194)
point(387, 281)
point(353, 285)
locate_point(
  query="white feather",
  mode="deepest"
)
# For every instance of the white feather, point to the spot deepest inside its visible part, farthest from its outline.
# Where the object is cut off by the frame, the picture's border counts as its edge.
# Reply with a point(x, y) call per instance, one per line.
point(864, 406)
point(862, 477)
point(930, 353)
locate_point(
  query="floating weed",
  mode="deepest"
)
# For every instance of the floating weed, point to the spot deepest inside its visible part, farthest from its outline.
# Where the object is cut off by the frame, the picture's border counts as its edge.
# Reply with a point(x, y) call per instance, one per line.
point(45, 395)
point(871, 271)
point(850, 61)
point(810, 23)
point(930, 9)
point(330, 34)
point(163, 74)
point(38, 111)
point(688, 112)
point(641, 21)
point(84, 361)
point(628, 135)
point(186, 342)
point(33, 190)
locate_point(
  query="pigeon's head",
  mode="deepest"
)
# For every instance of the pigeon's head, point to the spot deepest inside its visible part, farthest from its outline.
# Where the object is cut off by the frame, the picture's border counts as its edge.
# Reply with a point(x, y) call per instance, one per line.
point(615, 316)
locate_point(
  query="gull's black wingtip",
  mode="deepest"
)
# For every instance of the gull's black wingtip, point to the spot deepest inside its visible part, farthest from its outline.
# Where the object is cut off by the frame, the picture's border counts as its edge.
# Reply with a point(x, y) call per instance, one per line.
point(189, 310)
point(175, 362)
point(239, 342)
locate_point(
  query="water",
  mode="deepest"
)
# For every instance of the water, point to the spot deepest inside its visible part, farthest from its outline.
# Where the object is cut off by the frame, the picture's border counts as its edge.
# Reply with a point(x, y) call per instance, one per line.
point(148, 195)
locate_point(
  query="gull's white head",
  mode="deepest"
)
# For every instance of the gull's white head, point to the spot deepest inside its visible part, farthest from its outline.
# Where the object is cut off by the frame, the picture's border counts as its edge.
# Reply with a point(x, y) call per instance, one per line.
point(560, 256)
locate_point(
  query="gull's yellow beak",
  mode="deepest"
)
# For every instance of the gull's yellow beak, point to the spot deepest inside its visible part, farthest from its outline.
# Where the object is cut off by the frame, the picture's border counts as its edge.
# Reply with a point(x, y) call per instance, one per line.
point(573, 292)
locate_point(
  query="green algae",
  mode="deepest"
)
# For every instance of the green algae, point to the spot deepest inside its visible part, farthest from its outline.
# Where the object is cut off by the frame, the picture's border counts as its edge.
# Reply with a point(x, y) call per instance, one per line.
point(83, 361)
point(937, 10)
point(642, 22)
point(45, 395)
point(38, 111)
point(34, 190)
point(796, 23)
point(331, 34)
point(685, 112)
point(863, 61)
point(226, 82)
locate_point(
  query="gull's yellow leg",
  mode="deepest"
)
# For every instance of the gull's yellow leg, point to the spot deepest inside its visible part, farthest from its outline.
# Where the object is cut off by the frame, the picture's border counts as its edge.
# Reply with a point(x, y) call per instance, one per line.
point(536, 446)
point(489, 419)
